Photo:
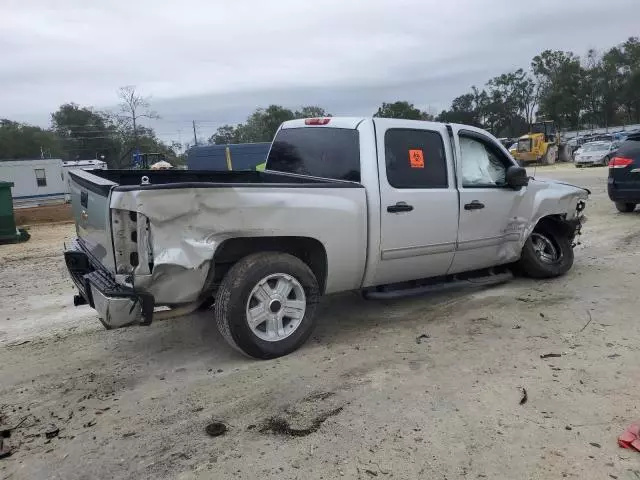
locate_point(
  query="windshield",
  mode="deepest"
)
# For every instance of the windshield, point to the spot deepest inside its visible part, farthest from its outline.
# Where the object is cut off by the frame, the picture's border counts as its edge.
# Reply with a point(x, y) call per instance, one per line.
point(537, 128)
point(317, 152)
point(595, 147)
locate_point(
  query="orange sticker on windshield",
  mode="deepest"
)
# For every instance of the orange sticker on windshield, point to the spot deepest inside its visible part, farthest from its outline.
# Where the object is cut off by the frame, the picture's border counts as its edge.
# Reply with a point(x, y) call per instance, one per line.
point(416, 158)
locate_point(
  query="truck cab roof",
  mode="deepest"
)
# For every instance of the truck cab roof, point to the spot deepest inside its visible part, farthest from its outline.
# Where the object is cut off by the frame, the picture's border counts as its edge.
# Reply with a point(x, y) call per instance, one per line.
point(354, 122)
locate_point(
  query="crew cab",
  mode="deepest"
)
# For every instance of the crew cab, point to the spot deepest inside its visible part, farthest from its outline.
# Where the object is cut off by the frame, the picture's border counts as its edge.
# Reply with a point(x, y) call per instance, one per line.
point(383, 206)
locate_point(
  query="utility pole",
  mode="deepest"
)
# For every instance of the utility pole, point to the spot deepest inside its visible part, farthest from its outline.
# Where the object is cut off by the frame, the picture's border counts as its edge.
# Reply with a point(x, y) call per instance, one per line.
point(195, 137)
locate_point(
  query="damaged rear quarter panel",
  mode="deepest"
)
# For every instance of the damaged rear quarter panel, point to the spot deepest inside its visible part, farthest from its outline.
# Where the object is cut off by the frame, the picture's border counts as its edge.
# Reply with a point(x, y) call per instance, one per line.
point(186, 226)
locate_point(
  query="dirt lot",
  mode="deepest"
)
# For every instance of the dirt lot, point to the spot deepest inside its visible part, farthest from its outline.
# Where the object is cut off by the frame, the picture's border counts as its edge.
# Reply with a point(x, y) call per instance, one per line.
point(364, 399)
point(57, 213)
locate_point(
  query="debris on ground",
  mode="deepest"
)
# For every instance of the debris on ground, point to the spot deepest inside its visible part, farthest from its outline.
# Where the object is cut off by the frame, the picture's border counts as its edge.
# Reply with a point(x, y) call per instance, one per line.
point(550, 355)
point(6, 433)
point(422, 337)
point(52, 433)
point(630, 438)
point(594, 444)
point(524, 397)
point(588, 322)
point(281, 426)
point(215, 429)
point(5, 450)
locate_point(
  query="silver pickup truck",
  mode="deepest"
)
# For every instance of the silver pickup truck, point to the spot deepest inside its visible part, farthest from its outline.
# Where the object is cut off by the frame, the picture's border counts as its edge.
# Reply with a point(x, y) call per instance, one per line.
point(384, 206)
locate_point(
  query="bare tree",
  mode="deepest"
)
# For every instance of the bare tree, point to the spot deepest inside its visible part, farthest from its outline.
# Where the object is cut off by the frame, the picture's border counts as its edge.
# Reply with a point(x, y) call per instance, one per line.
point(134, 106)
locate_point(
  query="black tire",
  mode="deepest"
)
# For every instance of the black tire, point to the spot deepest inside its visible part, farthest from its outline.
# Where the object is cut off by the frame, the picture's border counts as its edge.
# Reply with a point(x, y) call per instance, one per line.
point(533, 265)
point(233, 295)
point(625, 207)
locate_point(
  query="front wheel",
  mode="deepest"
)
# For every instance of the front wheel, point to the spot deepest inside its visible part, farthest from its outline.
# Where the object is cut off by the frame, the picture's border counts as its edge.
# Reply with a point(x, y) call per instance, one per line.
point(625, 207)
point(265, 306)
point(547, 253)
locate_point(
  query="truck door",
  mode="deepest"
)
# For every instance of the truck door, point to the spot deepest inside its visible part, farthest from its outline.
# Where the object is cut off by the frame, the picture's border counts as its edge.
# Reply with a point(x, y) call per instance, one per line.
point(489, 233)
point(419, 201)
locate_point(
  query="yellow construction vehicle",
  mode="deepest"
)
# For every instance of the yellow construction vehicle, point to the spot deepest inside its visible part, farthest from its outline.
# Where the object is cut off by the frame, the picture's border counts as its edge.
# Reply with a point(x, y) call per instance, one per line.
point(541, 144)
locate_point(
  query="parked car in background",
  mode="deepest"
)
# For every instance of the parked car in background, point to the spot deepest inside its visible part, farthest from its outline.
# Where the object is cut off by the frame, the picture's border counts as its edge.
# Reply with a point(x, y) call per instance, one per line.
point(623, 185)
point(595, 153)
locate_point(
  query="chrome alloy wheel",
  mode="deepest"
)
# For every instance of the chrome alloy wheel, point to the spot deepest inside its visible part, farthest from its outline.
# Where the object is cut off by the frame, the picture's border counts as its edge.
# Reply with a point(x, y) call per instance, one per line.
point(545, 249)
point(276, 307)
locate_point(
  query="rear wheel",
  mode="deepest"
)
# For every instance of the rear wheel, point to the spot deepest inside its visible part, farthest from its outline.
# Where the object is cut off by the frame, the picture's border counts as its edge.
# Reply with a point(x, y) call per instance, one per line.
point(625, 207)
point(265, 306)
point(547, 253)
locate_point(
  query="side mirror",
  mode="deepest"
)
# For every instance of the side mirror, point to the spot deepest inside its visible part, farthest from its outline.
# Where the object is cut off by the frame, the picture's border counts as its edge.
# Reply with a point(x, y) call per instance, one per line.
point(517, 177)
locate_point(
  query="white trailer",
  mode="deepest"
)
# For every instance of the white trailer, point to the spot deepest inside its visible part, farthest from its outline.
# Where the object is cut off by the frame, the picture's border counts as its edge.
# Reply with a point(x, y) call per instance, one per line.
point(34, 181)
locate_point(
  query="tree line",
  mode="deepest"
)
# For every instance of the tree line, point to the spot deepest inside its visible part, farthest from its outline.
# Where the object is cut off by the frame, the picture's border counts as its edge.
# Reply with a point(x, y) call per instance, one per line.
point(599, 89)
point(79, 132)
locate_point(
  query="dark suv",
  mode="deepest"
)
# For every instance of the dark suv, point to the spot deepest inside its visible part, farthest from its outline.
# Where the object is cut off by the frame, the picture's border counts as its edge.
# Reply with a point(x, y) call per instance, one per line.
point(624, 175)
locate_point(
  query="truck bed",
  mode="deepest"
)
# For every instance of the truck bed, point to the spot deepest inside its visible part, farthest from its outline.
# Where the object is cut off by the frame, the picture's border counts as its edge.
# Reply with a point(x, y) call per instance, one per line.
point(128, 180)
point(166, 232)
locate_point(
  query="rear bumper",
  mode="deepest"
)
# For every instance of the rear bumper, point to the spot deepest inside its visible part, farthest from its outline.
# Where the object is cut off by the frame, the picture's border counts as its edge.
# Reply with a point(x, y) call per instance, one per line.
point(117, 306)
point(591, 161)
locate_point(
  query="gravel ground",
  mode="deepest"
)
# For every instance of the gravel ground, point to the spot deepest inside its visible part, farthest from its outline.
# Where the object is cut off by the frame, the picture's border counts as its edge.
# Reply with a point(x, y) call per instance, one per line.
point(363, 399)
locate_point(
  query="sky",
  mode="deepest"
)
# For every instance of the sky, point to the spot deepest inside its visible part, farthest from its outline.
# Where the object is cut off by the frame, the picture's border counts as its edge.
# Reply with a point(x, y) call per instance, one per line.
point(216, 61)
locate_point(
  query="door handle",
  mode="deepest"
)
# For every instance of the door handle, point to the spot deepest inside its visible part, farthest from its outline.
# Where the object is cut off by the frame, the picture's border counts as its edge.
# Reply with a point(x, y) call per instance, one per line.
point(475, 205)
point(399, 207)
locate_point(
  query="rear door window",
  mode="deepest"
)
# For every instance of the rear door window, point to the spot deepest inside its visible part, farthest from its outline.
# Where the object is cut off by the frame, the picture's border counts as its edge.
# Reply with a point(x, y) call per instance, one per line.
point(317, 152)
point(415, 158)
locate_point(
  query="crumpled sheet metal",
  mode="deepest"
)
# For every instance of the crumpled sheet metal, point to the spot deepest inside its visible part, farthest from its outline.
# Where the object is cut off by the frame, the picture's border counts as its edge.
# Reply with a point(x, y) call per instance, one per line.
point(186, 226)
point(541, 199)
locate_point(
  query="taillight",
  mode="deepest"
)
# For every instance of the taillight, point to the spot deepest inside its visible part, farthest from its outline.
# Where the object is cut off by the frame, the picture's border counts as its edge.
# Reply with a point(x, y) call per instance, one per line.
point(620, 162)
point(317, 121)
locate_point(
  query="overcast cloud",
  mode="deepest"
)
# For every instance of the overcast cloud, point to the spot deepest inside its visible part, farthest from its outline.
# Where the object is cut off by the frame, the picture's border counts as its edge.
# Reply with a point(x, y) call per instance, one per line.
point(214, 62)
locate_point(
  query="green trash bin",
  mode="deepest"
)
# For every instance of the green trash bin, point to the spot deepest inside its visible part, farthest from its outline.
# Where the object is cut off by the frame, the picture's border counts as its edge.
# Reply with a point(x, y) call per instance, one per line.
point(8, 231)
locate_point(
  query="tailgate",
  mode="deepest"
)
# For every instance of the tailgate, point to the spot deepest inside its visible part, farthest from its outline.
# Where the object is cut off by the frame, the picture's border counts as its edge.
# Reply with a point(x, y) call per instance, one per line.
point(90, 197)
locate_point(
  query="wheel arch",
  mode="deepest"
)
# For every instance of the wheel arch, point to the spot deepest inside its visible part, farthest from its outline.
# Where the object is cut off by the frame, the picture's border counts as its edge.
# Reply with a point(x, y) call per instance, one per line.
point(309, 250)
point(558, 222)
